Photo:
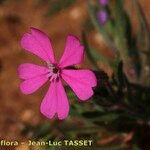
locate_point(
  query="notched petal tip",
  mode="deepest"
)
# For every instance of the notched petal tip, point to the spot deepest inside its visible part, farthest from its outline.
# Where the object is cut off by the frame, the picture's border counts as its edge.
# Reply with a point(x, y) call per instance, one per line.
point(81, 82)
point(54, 116)
point(73, 52)
point(35, 31)
point(33, 28)
point(23, 90)
point(62, 117)
point(38, 43)
point(46, 113)
point(23, 39)
point(73, 37)
point(55, 102)
point(94, 79)
point(87, 96)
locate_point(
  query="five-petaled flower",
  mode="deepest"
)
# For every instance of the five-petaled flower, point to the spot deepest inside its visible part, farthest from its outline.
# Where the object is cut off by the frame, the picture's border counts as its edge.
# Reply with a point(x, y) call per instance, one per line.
point(34, 76)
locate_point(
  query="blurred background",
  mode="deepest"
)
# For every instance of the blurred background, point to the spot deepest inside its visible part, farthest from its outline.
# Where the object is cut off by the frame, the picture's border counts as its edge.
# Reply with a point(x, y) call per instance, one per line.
point(58, 19)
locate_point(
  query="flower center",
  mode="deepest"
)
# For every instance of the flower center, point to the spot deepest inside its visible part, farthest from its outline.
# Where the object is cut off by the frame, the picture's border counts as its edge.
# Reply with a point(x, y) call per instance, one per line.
point(54, 72)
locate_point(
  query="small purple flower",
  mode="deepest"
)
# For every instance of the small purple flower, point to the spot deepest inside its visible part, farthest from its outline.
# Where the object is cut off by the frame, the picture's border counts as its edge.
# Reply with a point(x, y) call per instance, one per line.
point(102, 16)
point(104, 2)
point(34, 76)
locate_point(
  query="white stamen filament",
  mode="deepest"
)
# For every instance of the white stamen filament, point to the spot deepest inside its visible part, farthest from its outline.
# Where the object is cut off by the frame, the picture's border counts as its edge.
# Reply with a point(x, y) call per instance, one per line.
point(52, 75)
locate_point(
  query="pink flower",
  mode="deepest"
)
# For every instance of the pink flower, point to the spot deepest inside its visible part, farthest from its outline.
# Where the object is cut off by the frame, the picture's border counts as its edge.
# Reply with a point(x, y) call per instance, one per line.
point(34, 76)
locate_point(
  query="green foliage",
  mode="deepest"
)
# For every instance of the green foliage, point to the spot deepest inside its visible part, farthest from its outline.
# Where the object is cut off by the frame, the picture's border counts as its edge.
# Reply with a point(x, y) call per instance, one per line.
point(118, 33)
point(121, 103)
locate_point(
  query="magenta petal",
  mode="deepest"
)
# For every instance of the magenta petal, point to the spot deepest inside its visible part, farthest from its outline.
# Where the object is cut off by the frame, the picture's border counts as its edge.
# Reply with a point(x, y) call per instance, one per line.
point(55, 101)
point(81, 82)
point(39, 44)
point(31, 85)
point(73, 53)
point(27, 70)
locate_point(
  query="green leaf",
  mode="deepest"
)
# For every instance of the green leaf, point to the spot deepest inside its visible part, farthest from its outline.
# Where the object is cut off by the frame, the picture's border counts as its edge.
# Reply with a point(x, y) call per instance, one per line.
point(125, 41)
point(101, 116)
point(115, 64)
point(71, 95)
point(120, 75)
point(135, 147)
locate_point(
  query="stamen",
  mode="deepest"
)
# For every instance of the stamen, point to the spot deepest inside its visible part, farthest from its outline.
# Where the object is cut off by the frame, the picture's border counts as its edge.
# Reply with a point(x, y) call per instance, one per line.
point(54, 72)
